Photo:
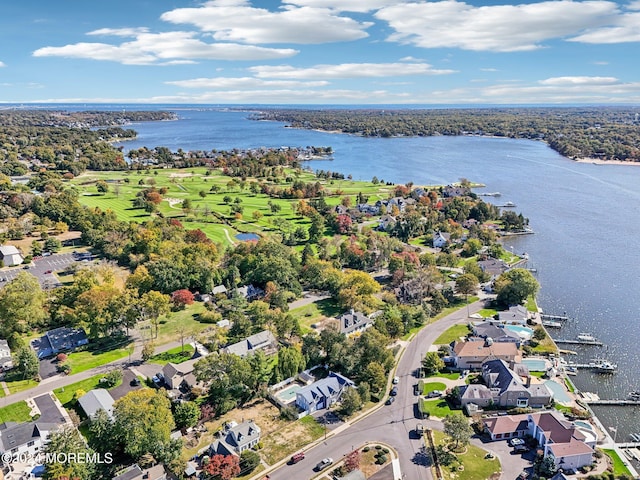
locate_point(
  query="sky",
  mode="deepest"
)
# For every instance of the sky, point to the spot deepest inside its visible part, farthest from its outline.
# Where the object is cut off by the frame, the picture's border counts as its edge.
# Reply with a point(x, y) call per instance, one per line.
point(325, 52)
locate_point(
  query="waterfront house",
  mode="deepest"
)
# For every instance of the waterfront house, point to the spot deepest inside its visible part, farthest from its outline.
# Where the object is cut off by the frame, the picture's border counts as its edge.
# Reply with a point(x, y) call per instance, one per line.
point(493, 267)
point(497, 333)
point(517, 314)
point(264, 341)
point(323, 393)
point(97, 399)
point(570, 447)
point(470, 355)
point(6, 361)
point(451, 191)
point(62, 339)
point(353, 322)
point(10, 256)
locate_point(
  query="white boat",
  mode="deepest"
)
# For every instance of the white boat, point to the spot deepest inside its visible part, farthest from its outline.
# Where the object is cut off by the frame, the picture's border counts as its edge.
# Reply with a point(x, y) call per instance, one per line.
point(635, 437)
point(552, 324)
point(509, 204)
point(635, 395)
point(586, 337)
point(604, 366)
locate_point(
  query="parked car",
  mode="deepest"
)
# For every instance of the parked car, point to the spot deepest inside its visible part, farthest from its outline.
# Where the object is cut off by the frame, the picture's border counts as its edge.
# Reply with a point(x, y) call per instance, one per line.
point(523, 475)
point(396, 380)
point(434, 394)
point(390, 400)
point(394, 391)
point(47, 272)
point(419, 429)
point(516, 441)
point(297, 457)
point(158, 379)
point(135, 382)
point(324, 463)
point(520, 449)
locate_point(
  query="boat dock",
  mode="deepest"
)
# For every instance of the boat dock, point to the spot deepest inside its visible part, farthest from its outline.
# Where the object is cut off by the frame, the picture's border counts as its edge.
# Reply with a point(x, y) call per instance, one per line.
point(594, 343)
point(552, 324)
point(554, 318)
point(620, 403)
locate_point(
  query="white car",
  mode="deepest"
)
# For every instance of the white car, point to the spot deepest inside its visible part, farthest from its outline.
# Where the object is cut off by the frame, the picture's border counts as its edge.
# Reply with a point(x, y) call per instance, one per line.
point(396, 380)
point(324, 463)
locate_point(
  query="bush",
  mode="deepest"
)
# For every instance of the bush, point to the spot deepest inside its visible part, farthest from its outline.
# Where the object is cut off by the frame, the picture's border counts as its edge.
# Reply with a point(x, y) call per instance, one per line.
point(209, 317)
point(366, 449)
point(381, 459)
point(61, 357)
point(289, 413)
point(112, 378)
point(378, 447)
point(385, 450)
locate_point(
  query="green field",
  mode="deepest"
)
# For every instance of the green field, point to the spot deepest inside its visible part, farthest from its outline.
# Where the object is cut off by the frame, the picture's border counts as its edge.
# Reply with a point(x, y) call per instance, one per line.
point(619, 467)
point(185, 320)
point(428, 387)
point(65, 394)
point(15, 412)
point(88, 359)
point(437, 407)
point(312, 313)
point(209, 212)
point(451, 334)
point(175, 355)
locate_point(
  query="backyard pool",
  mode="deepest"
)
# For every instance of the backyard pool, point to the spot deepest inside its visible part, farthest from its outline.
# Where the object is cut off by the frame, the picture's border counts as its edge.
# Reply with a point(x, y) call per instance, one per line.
point(288, 395)
point(559, 393)
point(536, 364)
point(525, 332)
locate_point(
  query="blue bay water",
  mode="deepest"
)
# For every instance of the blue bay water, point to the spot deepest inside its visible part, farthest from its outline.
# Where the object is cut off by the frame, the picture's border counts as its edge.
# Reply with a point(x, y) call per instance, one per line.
point(586, 217)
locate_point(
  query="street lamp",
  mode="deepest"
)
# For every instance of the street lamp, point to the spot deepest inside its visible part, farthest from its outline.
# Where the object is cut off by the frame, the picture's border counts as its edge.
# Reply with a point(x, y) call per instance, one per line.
point(615, 432)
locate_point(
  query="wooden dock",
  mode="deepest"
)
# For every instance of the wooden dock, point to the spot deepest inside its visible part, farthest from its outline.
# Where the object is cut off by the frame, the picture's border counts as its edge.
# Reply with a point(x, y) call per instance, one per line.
point(552, 324)
point(594, 343)
point(555, 318)
point(621, 403)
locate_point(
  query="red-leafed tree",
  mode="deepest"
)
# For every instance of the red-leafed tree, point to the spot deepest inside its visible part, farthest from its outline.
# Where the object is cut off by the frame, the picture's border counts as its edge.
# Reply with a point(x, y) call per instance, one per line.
point(352, 461)
point(224, 467)
point(343, 223)
point(182, 298)
point(196, 236)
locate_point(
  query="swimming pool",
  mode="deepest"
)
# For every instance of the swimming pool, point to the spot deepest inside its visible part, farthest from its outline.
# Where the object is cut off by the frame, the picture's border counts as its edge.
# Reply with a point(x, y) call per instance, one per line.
point(559, 394)
point(525, 332)
point(580, 423)
point(536, 364)
point(288, 394)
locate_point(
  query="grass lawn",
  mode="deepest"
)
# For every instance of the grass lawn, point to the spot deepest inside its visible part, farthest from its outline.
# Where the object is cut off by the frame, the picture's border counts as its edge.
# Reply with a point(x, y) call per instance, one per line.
point(314, 312)
point(15, 412)
point(487, 312)
point(570, 386)
point(545, 347)
point(473, 462)
point(16, 384)
point(447, 375)
point(175, 355)
point(437, 407)
point(88, 359)
point(428, 387)
point(531, 304)
point(65, 394)
point(618, 466)
point(186, 320)
point(453, 333)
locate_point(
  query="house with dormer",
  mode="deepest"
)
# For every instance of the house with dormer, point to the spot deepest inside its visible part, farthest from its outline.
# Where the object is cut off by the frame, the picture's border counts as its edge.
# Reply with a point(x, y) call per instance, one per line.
point(353, 322)
point(236, 438)
point(323, 393)
point(264, 341)
point(471, 354)
point(440, 239)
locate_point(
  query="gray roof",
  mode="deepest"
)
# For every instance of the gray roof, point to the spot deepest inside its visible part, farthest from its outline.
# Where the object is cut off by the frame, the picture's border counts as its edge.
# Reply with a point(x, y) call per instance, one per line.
point(489, 330)
point(94, 400)
point(243, 434)
point(515, 313)
point(475, 392)
point(499, 376)
point(14, 435)
point(325, 387)
point(218, 447)
point(134, 472)
point(219, 289)
point(7, 250)
point(130, 473)
point(351, 321)
point(257, 341)
point(64, 338)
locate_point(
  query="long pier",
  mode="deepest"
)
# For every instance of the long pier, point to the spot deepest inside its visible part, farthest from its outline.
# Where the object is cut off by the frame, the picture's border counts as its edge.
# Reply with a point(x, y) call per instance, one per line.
point(593, 343)
point(622, 403)
point(555, 318)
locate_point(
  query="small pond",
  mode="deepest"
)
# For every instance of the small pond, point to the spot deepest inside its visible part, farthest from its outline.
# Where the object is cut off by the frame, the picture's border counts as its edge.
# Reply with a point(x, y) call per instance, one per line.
point(245, 237)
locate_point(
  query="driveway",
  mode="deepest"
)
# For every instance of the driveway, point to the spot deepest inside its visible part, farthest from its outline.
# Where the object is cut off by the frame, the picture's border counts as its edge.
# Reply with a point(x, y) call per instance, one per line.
point(44, 268)
point(126, 387)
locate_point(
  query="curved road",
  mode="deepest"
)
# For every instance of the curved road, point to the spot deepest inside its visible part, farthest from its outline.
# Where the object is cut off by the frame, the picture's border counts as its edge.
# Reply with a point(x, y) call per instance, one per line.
point(392, 424)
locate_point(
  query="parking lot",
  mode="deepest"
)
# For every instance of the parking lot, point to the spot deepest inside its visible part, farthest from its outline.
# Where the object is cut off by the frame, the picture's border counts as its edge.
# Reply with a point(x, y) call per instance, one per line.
point(44, 268)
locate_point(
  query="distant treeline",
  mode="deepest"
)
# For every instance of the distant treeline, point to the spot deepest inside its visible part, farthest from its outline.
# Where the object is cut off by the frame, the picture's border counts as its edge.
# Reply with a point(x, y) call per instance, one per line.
point(607, 133)
point(72, 141)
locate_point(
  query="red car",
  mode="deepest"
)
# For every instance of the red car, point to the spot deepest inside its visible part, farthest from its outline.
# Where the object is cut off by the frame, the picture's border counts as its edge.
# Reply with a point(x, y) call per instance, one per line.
point(297, 457)
point(48, 271)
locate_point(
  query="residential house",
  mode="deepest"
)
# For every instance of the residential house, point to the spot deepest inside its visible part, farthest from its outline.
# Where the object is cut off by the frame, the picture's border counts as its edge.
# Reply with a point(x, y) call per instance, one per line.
point(414, 290)
point(250, 292)
point(352, 322)
point(418, 193)
point(517, 314)
point(22, 439)
point(236, 438)
point(323, 393)
point(440, 239)
point(264, 341)
point(368, 209)
point(509, 390)
point(62, 339)
point(451, 191)
point(219, 290)
point(177, 375)
point(472, 354)
point(97, 399)
point(493, 267)
point(134, 472)
point(497, 333)
point(570, 446)
point(6, 361)
point(10, 256)
point(386, 222)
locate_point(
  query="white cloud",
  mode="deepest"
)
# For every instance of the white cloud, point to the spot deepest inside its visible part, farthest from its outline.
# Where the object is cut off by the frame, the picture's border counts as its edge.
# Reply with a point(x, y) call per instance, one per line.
point(120, 32)
point(500, 28)
point(164, 48)
point(346, 5)
point(243, 82)
point(238, 21)
point(2, 64)
point(347, 70)
point(559, 81)
point(600, 62)
point(626, 29)
point(488, 69)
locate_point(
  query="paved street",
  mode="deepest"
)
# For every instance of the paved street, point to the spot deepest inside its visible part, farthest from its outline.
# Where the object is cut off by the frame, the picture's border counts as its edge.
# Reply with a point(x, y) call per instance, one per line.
point(395, 424)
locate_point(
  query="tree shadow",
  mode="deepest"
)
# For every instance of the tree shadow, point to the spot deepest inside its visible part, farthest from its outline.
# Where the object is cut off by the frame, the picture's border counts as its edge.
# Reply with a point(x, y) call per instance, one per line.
point(422, 457)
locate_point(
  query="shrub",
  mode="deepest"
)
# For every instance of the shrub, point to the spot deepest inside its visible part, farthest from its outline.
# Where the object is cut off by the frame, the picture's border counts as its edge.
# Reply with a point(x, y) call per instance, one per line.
point(61, 357)
point(381, 459)
point(209, 317)
point(385, 450)
point(366, 449)
point(378, 447)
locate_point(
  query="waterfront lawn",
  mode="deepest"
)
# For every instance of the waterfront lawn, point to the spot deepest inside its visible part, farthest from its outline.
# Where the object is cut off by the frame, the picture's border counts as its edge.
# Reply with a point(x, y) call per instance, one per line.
point(15, 412)
point(453, 333)
point(473, 461)
point(619, 467)
point(175, 355)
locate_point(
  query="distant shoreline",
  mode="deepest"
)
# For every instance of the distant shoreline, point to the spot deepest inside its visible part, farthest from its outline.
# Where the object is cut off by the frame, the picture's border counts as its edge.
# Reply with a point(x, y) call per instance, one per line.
point(599, 161)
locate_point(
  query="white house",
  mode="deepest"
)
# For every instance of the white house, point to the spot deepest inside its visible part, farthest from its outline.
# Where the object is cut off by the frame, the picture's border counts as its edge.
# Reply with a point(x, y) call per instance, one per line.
point(97, 399)
point(323, 393)
point(10, 255)
point(236, 438)
point(440, 239)
point(6, 361)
